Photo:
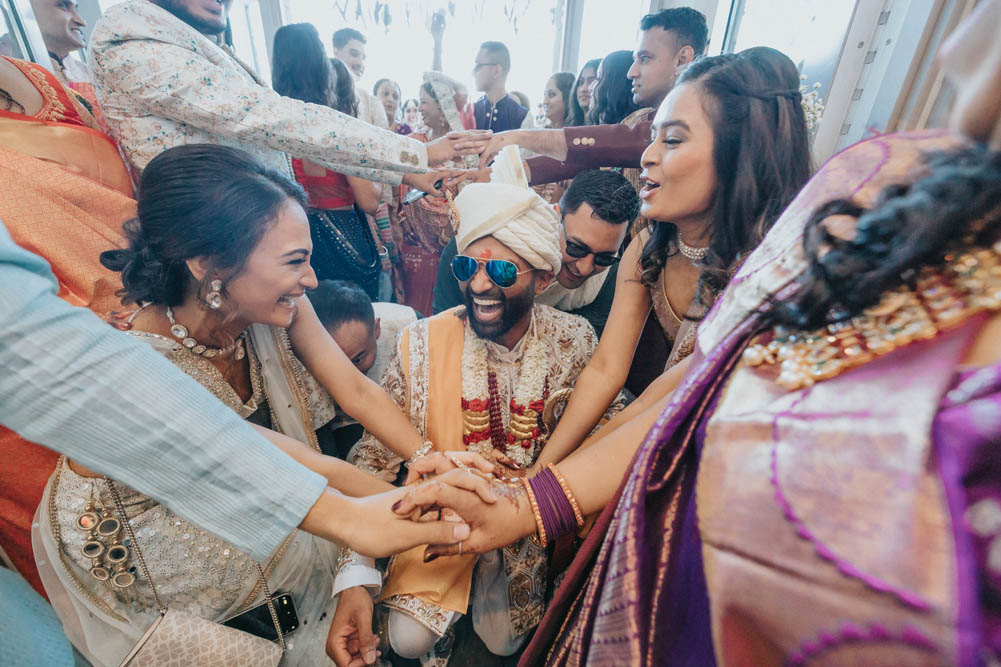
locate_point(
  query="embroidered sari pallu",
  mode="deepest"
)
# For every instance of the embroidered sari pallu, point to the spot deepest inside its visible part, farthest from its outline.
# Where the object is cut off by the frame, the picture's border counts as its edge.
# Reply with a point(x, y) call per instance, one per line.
point(64, 190)
point(767, 522)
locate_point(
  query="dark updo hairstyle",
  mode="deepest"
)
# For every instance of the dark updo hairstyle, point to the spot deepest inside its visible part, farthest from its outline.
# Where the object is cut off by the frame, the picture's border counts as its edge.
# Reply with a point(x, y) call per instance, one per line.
point(910, 227)
point(612, 100)
point(563, 81)
point(199, 200)
point(299, 66)
point(761, 156)
point(577, 112)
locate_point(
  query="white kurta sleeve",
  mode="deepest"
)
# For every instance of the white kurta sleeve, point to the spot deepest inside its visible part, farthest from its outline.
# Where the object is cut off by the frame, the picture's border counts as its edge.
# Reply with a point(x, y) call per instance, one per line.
point(354, 570)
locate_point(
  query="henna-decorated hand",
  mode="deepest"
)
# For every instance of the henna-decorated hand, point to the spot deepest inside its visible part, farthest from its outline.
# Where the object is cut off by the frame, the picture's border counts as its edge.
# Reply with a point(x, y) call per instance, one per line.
point(492, 524)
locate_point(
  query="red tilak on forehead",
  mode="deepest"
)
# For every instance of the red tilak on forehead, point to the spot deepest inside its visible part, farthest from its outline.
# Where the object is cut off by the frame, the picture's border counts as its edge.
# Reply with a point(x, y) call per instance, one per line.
point(485, 254)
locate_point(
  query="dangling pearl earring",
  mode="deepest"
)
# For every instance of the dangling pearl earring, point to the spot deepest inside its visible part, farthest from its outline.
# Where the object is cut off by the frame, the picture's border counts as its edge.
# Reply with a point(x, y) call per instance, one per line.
point(214, 298)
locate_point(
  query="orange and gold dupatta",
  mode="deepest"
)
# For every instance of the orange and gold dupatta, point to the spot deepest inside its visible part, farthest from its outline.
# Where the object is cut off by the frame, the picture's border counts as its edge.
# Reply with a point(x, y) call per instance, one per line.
point(64, 194)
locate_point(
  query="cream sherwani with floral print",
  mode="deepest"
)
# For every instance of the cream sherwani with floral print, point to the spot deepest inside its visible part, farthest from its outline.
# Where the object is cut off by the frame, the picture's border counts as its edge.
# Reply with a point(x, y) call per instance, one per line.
point(161, 84)
point(508, 587)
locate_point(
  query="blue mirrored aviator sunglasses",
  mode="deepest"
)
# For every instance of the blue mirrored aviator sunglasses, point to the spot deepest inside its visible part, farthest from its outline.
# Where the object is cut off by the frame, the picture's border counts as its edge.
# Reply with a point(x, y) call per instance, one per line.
point(502, 272)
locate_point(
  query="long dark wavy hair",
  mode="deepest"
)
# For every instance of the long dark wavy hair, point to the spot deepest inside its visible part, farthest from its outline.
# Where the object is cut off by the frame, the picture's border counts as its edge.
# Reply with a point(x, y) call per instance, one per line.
point(563, 82)
point(198, 200)
point(612, 100)
point(577, 112)
point(909, 227)
point(344, 89)
point(299, 67)
point(761, 157)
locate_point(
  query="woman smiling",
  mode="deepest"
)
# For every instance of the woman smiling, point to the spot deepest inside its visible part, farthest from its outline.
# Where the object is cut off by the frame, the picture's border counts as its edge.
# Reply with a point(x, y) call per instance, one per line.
point(729, 153)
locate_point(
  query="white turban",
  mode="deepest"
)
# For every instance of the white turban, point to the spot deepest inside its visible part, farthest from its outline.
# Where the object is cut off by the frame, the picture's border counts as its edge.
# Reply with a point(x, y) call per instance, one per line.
point(514, 214)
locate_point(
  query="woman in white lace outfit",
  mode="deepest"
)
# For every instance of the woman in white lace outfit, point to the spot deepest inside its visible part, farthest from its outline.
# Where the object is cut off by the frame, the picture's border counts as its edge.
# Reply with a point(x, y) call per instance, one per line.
point(218, 258)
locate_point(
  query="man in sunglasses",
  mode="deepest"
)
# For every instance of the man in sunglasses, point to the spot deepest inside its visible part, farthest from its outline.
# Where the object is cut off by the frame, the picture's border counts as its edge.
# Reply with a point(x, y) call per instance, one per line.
point(595, 211)
point(478, 377)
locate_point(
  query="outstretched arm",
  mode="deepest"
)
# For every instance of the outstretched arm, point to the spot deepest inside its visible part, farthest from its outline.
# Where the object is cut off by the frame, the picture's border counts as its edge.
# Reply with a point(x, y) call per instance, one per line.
point(593, 475)
point(69, 380)
point(605, 374)
point(142, 77)
point(357, 395)
point(551, 143)
point(655, 394)
point(341, 475)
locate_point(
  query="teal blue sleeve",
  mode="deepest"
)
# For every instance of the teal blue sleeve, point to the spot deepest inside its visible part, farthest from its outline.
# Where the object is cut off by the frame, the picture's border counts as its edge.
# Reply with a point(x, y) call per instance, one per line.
point(82, 388)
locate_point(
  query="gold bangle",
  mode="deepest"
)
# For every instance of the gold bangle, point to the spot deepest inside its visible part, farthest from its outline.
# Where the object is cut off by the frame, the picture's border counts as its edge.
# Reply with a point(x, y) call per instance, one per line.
point(535, 509)
point(421, 452)
point(568, 493)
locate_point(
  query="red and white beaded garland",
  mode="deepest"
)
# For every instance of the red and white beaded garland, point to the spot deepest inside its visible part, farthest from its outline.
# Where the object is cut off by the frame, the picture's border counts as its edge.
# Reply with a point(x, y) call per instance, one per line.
point(482, 422)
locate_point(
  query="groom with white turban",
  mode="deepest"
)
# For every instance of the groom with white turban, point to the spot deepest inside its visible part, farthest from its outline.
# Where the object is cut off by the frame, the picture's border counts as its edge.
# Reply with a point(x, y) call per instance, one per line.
point(476, 377)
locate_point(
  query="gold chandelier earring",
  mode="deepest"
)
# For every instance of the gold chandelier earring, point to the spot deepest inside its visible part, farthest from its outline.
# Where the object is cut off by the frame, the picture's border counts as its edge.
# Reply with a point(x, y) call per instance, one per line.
point(214, 298)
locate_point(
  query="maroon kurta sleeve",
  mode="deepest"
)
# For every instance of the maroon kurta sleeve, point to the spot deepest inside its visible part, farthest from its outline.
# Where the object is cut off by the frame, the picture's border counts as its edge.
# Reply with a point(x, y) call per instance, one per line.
point(594, 146)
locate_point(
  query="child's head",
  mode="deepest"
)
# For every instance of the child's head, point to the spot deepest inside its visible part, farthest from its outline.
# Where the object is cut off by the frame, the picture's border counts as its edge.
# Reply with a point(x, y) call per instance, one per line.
point(346, 313)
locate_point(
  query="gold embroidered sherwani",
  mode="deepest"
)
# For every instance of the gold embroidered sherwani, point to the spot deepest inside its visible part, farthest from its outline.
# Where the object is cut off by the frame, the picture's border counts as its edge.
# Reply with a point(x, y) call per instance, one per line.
point(161, 84)
point(424, 378)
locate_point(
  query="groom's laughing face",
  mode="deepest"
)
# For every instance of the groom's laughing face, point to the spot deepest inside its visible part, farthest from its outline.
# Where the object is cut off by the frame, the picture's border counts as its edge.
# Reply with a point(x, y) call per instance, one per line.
point(492, 310)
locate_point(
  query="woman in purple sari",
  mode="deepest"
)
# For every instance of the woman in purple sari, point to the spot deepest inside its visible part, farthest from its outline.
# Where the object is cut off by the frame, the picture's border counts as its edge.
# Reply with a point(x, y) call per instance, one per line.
point(824, 485)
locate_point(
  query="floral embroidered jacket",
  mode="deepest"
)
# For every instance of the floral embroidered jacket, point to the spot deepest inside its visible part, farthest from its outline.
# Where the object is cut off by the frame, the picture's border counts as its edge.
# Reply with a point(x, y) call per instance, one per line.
point(161, 83)
point(569, 341)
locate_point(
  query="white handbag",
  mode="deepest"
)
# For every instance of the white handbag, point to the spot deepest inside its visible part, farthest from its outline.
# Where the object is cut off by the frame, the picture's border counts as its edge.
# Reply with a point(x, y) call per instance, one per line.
point(179, 639)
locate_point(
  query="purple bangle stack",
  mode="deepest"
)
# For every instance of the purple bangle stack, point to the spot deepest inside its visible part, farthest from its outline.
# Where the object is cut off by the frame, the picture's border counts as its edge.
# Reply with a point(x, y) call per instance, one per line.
point(557, 513)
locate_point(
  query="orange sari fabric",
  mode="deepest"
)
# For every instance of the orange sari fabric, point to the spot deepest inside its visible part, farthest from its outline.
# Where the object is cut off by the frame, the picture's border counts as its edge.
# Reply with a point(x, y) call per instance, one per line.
point(64, 194)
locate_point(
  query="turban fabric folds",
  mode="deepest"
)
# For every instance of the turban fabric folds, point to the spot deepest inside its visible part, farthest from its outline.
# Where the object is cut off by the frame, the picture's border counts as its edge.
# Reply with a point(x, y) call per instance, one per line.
point(514, 214)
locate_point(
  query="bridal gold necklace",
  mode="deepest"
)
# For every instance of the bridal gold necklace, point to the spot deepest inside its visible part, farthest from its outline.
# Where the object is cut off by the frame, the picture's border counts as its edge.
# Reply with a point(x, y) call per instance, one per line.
point(180, 332)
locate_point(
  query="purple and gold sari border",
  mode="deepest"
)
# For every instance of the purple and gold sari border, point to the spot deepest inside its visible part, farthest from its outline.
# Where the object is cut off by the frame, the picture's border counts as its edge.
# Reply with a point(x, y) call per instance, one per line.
point(852, 633)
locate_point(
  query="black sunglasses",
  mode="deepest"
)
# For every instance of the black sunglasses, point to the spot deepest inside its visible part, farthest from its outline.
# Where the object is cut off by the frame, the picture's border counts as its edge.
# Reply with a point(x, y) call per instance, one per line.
point(502, 272)
point(579, 251)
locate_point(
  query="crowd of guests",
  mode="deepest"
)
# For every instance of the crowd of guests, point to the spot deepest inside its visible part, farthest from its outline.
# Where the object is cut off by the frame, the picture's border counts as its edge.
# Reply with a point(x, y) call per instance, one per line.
point(641, 385)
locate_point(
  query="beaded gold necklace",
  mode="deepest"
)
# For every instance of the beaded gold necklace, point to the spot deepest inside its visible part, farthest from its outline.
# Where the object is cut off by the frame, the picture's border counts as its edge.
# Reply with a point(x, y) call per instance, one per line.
point(941, 299)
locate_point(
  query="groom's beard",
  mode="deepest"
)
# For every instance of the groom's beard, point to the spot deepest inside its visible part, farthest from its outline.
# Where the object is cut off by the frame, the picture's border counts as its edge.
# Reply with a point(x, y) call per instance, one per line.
point(514, 307)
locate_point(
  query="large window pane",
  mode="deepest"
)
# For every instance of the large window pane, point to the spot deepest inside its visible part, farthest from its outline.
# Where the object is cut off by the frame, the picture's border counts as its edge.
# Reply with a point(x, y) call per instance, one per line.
point(19, 35)
point(609, 26)
point(401, 48)
point(248, 37)
point(810, 32)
